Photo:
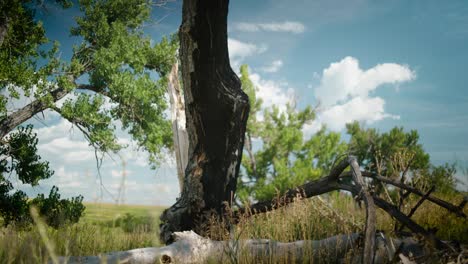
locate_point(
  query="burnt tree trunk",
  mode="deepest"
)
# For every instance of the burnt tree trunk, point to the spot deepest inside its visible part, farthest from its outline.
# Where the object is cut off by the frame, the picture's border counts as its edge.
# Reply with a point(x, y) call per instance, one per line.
point(216, 112)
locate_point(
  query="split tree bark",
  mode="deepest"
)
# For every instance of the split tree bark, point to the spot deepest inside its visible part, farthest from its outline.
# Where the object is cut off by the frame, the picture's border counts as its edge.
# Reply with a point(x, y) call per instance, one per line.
point(216, 113)
point(179, 129)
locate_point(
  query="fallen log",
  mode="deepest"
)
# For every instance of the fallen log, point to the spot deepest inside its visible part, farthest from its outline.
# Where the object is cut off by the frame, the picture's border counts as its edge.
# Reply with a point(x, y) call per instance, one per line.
point(192, 248)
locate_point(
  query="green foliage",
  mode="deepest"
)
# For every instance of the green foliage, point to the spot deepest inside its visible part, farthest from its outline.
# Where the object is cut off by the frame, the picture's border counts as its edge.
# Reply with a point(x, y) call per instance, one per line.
point(278, 156)
point(442, 177)
point(119, 60)
point(58, 212)
point(20, 156)
point(285, 158)
point(15, 208)
point(382, 152)
point(86, 112)
point(132, 223)
point(396, 154)
point(19, 152)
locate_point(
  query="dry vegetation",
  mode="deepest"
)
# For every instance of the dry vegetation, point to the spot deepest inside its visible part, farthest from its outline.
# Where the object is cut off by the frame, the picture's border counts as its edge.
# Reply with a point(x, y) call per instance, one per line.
point(108, 228)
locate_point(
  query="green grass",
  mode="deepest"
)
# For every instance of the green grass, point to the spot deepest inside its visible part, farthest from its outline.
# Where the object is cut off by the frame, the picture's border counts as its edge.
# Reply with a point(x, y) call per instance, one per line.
point(98, 212)
point(103, 228)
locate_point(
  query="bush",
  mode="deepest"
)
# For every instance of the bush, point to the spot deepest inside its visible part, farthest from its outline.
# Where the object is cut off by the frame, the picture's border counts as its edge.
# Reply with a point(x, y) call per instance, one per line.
point(14, 208)
point(20, 158)
point(131, 223)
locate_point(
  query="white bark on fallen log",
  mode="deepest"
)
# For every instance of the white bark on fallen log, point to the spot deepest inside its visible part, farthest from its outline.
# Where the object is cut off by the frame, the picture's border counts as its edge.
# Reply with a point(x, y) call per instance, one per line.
point(192, 248)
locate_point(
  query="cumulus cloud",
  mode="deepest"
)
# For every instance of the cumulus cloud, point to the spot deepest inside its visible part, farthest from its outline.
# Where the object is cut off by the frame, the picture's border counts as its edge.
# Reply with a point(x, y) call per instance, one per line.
point(345, 79)
point(345, 93)
point(273, 67)
point(286, 26)
point(67, 179)
point(359, 108)
point(239, 49)
point(272, 92)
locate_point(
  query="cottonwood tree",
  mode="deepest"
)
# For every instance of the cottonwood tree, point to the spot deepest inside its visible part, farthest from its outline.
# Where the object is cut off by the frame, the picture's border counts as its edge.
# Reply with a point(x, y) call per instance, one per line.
point(108, 77)
point(216, 112)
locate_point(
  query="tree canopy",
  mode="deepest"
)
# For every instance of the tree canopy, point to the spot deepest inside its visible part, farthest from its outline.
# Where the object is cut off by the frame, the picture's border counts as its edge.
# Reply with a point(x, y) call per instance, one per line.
point(115, 73)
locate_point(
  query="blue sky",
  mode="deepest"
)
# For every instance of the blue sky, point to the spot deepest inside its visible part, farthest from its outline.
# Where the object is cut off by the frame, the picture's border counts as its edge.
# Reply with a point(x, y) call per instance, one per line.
point(383, 63)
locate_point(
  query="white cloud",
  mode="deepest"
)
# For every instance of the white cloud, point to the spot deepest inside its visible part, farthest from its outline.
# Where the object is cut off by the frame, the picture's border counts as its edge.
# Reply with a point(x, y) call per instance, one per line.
point(345, 93)
point(70, 150)
point(345, 79)
point(273, 67)
point(67, 179)
point(271, 92)
point(359, 108)
point(239, 49)
point(286, 26)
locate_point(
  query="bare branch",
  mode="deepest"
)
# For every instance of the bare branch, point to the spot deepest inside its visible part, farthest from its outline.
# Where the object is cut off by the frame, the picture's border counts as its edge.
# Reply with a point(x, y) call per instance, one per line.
point(369, 244)
point(419, 203)
point(458, 210)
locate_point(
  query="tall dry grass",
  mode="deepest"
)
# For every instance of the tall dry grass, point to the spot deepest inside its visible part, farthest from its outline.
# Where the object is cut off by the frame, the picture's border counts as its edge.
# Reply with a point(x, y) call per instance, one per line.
point(308, 219)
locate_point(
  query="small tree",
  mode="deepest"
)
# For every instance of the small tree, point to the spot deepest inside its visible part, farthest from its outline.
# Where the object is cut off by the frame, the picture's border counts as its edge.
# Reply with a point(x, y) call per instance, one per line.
point(285, 158)
point(398, 155)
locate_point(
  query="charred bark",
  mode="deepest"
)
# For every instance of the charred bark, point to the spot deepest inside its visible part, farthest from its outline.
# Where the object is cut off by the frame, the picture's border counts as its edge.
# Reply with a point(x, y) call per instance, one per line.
point(216, 112)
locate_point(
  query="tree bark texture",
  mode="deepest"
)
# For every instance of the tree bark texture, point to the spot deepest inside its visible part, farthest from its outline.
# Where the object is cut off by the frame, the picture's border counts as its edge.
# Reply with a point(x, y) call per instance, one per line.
point(216, 112)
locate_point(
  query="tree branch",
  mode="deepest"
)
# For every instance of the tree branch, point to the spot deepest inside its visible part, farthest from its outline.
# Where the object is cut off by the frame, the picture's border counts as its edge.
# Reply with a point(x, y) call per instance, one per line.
point(458, 210)
point(17, 118)
point(369, 244)
point(398, 215)
point(320, 186)
point(419, 203)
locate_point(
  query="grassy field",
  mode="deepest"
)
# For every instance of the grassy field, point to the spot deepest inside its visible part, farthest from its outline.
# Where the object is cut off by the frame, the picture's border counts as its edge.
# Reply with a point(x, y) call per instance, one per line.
point(98, 212)
point(103, 228)
point(108, 227)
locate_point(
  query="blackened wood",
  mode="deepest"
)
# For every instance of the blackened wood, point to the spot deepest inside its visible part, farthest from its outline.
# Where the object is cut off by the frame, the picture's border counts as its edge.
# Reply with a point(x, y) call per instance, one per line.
point(216, 112)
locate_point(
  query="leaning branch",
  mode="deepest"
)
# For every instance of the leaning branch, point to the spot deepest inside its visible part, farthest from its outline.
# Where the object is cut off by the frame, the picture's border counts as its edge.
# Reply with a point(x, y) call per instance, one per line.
point(310, 189)
point(371, 217)
point(17, 118)
point(458, 210)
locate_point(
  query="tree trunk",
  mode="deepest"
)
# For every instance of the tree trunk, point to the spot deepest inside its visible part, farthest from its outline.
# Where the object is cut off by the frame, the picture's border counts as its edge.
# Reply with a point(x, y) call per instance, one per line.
point(216, 112)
